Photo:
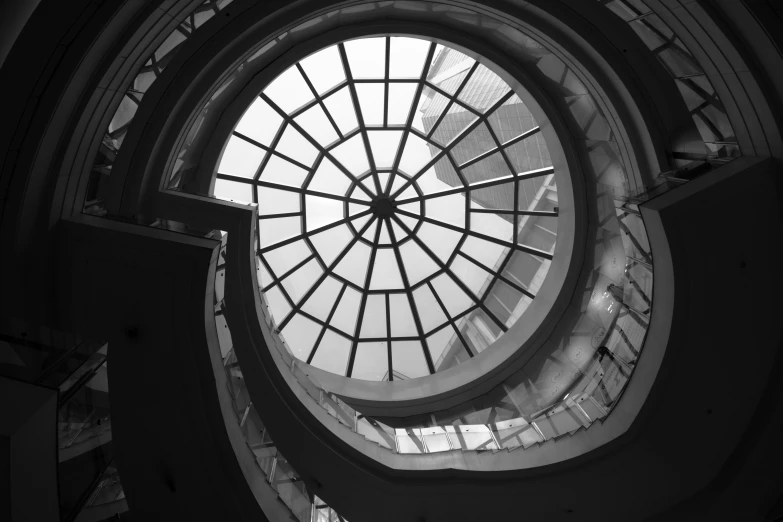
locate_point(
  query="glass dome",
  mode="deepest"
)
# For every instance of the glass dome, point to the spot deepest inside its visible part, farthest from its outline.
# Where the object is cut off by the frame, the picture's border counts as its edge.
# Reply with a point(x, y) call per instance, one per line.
point(407, 204)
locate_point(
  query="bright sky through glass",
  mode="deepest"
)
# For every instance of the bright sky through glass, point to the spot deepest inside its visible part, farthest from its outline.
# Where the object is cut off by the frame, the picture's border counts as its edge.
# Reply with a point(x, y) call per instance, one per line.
point(402, 190)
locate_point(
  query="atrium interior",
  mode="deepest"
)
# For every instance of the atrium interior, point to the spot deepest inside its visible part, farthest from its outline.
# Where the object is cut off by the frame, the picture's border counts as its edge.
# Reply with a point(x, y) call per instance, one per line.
point(424, 261)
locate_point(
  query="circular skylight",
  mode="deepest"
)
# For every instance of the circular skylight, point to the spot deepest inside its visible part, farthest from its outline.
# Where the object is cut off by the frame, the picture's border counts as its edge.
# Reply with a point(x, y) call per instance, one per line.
point(407, 202)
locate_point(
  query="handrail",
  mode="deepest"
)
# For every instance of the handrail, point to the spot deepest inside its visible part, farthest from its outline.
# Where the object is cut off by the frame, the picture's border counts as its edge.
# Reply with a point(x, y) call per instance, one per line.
point(280, 475)
point(156, 62)
point(709, 114)
point(586, 401)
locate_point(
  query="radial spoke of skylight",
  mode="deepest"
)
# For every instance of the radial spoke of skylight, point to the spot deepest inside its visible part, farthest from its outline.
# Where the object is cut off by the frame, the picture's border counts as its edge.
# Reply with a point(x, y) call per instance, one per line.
point(399, 184)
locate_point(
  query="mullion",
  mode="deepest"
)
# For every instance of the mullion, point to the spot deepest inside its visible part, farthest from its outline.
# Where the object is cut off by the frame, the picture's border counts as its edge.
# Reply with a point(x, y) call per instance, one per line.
point(386, 84)
point(453, 98)
point(312, 103)
point(454, 277)
point(306, 135)
point(411, 301)
point(447, 95)
point(308, 233)
point(529, 250)
point(525, 135)
point(296, 267)
point(289, 188)
point(495, 277)
point(347, 282)
point(270, 150)
point(363, 303)
point(328, 321)
point(451, 321)
point(389, 339)
point(276, 282)
point(454, 319)
point(480, 157)
point(283, 215)
point(411, 114)
point(390, 80)
point(499, 146)
point(388, 304)
point(547, 213)
point(511, 169)
point(359, 118)
point(466, 131)
point(327, 272)
point(308, 192)
point(267, 156)
point(537, 173)
point(318, 99)
point(322, 324)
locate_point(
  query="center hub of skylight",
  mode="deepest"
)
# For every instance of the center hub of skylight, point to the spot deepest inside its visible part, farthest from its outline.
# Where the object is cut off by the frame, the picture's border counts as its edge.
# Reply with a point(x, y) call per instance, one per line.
point(407, 204)
point(383, 207)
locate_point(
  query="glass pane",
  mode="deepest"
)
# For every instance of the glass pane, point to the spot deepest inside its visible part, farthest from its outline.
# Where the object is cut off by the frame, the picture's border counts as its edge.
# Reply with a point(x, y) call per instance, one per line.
point(475, 278)
point(374, 319)
point(490, 168)
point(430, 312)
point(272, 231)
point(278, 304)
point(347, 311)
point(407, 57)
point(300, 334)
point(449, 67)
point(274, 201)
point(289, 90)
point(353, 266)
point(401, 318)
point(371, 362)
point(260, 122)
point(400, 100)
point(452, 296)
point(340, 107)
point(447, 209)
point(298, 283)
point(315, 123)
point(324, 69)
point(330, 243)
point(352, 155)
point(240, 158)
point(322, 211)
point(384, 145)
point(418, 264)
point(284, 258)
point(328, 178)
point(371, 102)
point(332, 353)
point(386, 271)
point(295, 146)
point(323, 298)
point(367, 57)
point(484, 89)
point(278, 170)
point(440, 241)
point(408, 360)
point(477, 142)
point(457, 119)
point(431, 106)
point(487, 253)
point(511, 119)
point(446, 349)
point(416, 154)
